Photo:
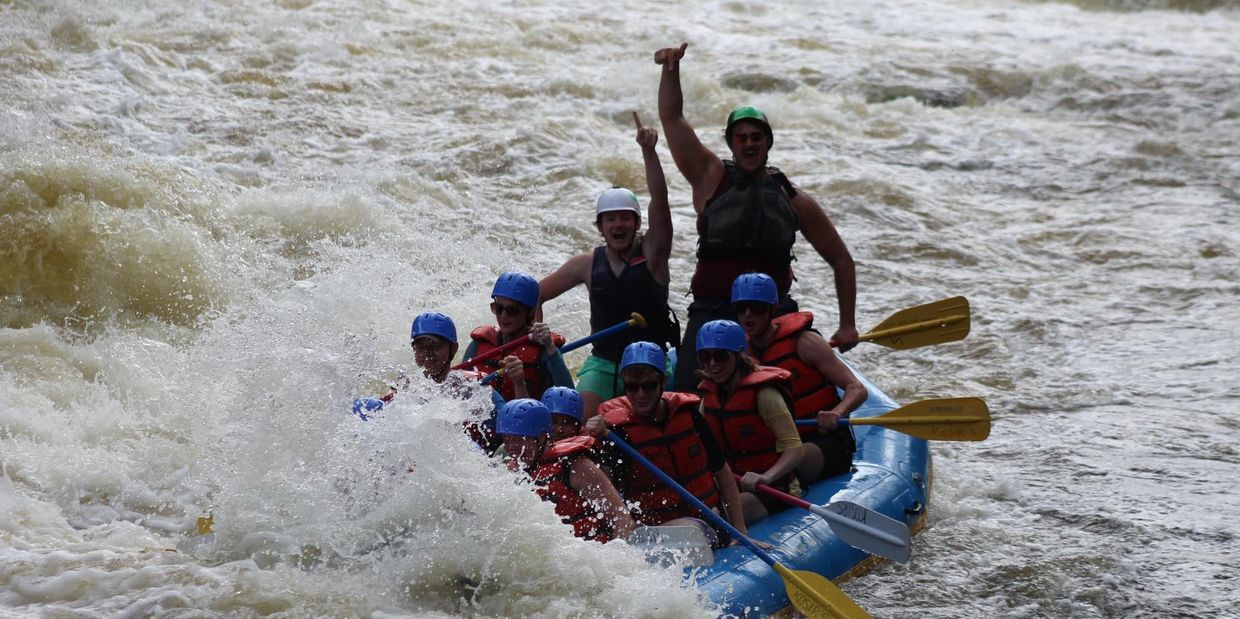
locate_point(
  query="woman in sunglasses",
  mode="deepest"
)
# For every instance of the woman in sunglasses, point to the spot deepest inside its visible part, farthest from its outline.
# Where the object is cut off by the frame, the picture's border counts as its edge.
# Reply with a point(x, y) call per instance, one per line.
point(513, 300)
point(749, 410)
point(667, 429)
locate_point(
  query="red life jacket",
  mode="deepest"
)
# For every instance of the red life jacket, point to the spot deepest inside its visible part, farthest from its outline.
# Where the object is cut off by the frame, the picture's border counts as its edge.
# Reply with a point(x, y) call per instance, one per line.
point(811, 391)
point(488, 338)
point(552, 477)
point(745, 438)
point(674, 447)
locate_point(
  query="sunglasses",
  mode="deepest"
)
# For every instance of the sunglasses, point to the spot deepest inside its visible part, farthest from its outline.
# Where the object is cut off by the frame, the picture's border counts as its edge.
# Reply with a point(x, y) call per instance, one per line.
point(649, 386)
point(750, 307)
point(716, 355)
point(508, 310)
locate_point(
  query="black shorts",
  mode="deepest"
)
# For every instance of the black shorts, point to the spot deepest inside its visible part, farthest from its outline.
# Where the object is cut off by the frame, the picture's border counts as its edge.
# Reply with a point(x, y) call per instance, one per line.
point(837, 448)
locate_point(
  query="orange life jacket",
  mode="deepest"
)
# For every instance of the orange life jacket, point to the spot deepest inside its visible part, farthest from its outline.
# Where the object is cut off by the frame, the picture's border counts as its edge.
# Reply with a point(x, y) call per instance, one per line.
point(674, 447)
point(488, 338)
point(552, 477)
point(811, 391)
point(746, 440)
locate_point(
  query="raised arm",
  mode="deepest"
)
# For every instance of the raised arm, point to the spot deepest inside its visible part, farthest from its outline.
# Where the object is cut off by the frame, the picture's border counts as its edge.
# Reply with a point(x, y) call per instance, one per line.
point(697, 163)
point(817, 228)
point(574, 271)
point(657, 244)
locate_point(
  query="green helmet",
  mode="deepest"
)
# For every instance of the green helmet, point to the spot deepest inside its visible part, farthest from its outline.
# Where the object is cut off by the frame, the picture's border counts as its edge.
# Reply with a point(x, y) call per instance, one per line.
point(748, 112)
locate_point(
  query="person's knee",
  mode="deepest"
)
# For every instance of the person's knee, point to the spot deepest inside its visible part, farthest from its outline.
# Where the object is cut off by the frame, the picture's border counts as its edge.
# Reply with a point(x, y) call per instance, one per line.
point(752, 507)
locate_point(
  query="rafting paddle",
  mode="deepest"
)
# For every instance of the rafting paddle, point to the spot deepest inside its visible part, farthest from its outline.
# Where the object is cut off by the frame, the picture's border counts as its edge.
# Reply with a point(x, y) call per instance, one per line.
point(939, 322)
point(942, 419)
point(811, 594)
point(857, 525)
point(636, 320)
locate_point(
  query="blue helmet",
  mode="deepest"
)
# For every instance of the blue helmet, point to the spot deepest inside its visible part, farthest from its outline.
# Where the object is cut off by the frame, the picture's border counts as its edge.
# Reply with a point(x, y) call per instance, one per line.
point(524, 417)
point(722, 335)
point(518, 286)
point(755, 287)
point(564, 401)
point(433, 323)
point(643, 353)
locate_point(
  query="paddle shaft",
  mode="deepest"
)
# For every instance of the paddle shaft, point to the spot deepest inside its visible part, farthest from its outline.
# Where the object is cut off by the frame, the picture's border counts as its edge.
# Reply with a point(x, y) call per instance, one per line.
point(479, 358)
point(574, 345)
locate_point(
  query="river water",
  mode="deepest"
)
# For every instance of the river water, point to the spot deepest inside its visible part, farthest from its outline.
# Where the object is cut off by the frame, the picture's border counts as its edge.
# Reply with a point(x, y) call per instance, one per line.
point(217, 220)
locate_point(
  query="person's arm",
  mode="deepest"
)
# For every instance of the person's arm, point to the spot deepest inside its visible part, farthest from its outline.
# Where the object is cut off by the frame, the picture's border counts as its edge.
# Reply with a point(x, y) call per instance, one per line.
point(701, 167)
point(773, 409)
point(815, 351)
point(730, 496)
point(552, 363)
point(471, 349)
point(574, 271)
point(594, 485)
point(729, 493)
point(657, 244)
point(817, 228)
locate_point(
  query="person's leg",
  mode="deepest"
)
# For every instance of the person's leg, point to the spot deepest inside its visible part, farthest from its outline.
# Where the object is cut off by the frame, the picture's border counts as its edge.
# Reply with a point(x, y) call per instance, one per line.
point(753, 508)
point(810, 468)
point(596, 381)
point(837, 448)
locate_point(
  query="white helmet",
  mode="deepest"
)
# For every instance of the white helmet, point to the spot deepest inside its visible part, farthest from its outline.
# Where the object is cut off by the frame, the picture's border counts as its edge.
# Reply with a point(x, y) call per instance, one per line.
point(617, 199)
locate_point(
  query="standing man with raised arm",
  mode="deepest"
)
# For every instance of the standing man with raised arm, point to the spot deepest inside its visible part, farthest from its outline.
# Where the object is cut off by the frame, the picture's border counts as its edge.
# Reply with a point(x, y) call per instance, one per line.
point(748, 215)
point(627, 274)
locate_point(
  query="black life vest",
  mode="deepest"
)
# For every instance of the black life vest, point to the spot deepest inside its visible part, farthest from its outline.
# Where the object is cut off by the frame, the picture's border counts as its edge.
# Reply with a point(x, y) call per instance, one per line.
point(614, 298)
point(746, 226)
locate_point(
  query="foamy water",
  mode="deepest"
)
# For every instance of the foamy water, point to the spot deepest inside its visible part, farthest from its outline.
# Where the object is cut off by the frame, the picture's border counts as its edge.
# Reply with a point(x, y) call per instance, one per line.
point(216, 222)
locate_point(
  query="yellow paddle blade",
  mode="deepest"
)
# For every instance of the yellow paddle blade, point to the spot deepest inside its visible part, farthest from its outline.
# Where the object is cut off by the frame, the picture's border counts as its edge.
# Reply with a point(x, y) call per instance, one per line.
point(943, 419)
point(818, 598)
point(933, 323)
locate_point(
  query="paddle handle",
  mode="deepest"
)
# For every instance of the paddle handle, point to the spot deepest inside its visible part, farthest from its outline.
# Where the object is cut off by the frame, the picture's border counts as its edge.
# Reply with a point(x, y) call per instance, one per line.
point(843, 422)
point(783, 496)
point(707, 512)
point(479, 358)
point(635, 320)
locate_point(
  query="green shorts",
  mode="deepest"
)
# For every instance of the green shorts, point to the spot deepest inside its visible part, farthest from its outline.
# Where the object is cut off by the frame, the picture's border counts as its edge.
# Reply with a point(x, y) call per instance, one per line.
point(598, 376)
